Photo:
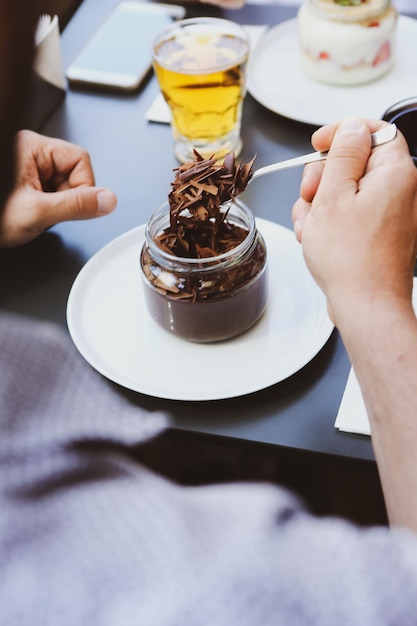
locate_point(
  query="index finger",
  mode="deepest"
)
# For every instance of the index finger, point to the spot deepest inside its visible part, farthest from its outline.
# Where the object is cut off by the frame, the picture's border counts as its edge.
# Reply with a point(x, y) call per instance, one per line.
point(347, 159)
point(71, 165)
point(322, 138)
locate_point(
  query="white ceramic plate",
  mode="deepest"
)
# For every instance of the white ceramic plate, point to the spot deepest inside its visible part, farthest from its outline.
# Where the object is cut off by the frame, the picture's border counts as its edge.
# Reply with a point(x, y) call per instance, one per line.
point(110, 325)
point(276, 80)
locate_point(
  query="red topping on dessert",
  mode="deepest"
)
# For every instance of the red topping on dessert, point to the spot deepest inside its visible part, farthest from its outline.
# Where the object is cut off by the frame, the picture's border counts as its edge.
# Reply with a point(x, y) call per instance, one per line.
point(383, 54)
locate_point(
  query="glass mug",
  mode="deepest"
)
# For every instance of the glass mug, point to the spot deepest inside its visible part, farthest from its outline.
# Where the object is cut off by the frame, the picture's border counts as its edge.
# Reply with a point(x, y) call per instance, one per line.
point(200, 64)
point(404, 115)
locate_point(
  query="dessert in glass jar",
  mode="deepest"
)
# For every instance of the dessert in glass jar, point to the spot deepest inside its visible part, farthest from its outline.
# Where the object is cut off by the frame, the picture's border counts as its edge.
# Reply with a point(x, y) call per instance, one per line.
point(204, 263)
point(347, 42)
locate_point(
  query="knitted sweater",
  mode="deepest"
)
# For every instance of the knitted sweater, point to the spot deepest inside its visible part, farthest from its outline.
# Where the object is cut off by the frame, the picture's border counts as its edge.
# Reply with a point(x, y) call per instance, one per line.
point(89, 537)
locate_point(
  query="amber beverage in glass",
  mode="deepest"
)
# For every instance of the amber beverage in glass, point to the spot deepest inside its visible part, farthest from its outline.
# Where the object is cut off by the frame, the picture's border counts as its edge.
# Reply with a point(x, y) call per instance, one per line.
point(200, 65)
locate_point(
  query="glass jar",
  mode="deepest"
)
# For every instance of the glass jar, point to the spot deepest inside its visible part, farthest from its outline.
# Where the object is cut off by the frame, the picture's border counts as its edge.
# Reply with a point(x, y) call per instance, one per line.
point(345, 44)
point(206, 299)
point(404, 115)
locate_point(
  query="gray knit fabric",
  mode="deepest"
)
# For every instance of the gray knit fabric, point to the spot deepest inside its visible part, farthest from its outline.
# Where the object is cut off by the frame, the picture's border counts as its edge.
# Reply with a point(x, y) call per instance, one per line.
point(88, 537)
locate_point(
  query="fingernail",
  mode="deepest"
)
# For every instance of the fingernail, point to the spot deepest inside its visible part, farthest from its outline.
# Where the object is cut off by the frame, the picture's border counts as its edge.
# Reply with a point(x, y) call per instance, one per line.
point(304, 179)
point(106, 201)
point(297, 227)
point(351, 125)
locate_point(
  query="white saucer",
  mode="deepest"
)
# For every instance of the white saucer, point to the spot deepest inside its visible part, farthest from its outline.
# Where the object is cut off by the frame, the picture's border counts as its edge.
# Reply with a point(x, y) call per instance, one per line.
point(277, 81)
point(110, 325)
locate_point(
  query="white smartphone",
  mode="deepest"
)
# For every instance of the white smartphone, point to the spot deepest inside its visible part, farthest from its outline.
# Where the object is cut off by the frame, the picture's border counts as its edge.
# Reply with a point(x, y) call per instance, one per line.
point(119, 55)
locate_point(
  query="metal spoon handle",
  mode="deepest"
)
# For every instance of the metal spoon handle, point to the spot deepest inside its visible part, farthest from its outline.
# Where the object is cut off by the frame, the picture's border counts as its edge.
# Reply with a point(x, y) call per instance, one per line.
point(384, 135)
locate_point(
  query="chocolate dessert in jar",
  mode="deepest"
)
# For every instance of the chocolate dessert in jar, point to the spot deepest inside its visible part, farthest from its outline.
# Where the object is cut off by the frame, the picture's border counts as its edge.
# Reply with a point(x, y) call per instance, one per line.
point(204, 262)
point(347, 42)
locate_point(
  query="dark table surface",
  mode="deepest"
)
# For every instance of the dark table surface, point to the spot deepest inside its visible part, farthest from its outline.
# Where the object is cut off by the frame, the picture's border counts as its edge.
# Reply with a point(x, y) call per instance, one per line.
point(135, 159)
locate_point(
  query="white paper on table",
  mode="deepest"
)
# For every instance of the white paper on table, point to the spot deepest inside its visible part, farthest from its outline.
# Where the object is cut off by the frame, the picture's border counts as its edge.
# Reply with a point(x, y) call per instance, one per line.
point(159, 111)
point(48, 60)
point(352, 416)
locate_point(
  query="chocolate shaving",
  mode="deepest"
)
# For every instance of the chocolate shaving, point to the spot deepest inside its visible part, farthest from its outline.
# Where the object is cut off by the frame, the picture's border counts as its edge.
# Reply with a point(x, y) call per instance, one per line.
point(199, 199)
point(199, 202)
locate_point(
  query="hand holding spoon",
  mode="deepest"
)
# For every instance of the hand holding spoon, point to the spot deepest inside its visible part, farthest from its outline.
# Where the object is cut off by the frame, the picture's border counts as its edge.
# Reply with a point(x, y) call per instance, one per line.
point(384, 135)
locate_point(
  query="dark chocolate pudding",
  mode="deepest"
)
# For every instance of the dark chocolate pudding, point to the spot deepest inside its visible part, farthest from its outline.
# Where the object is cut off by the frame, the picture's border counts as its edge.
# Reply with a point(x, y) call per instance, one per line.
point(203, 261)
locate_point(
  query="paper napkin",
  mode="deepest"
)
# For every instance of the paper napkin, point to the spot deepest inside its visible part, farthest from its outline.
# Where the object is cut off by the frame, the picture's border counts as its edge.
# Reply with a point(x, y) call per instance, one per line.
point(48, 60)
point(159, 111)
point(47, 86)
point(352, 416)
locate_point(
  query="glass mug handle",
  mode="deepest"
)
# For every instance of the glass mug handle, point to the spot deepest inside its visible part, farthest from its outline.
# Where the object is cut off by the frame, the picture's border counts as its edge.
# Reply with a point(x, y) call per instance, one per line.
point(404, 115)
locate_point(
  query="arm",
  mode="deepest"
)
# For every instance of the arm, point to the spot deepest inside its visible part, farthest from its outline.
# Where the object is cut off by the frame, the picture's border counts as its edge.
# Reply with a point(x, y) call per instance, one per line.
point(357, 222)
point(47, 165)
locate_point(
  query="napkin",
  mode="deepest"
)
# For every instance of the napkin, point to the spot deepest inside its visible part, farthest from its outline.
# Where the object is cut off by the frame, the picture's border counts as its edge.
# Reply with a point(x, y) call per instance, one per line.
point(352, 416)
point(47, 84)
point(159, 111)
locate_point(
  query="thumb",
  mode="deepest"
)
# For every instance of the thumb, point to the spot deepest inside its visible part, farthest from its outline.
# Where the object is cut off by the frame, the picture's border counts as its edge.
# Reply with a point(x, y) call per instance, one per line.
point(348, 156)
point(80, 203)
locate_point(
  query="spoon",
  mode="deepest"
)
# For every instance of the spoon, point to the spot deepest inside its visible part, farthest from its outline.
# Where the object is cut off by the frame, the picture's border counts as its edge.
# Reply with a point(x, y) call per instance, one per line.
point(384, 135)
